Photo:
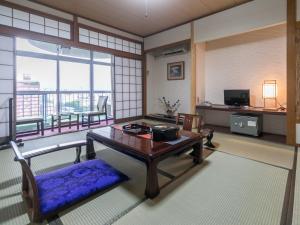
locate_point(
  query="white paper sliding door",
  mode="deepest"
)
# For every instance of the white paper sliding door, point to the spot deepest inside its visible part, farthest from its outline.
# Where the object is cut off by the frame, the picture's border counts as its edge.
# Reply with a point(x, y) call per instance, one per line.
point(6, 84)
point(128, 88)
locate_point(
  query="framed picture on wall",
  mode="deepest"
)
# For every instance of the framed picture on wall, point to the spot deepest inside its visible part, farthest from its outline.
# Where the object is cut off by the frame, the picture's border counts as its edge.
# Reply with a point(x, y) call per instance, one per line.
point(176, 71)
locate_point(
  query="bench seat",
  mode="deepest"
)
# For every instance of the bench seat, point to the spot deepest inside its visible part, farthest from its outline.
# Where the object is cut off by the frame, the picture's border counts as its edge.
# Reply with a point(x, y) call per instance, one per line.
point(66, 186)
point(39, 121)
point(25, 120)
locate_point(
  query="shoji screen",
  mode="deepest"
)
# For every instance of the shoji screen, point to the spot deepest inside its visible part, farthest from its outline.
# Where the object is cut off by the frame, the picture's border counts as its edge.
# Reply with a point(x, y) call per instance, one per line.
point(6, 83)
point(128, 88)
point(35, 23)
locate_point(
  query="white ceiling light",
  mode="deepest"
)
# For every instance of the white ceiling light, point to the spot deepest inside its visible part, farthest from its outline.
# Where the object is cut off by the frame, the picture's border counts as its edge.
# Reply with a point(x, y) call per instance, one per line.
point(146, 8)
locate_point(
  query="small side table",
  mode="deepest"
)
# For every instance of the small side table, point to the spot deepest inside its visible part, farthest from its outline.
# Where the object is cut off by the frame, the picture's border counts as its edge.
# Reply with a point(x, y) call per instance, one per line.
point(63, 116)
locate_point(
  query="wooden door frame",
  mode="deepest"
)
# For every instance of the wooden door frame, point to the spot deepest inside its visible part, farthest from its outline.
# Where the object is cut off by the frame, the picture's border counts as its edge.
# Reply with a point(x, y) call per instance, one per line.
point(291, 72)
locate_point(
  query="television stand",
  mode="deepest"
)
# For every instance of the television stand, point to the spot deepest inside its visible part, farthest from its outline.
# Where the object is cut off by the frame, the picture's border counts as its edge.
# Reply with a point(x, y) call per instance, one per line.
point(220, 126)
point(226, 108)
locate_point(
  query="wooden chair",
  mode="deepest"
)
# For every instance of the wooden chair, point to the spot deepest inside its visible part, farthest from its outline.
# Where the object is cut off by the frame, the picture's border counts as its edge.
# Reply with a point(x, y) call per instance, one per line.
point(102, 110)
point(187, 120)
point(43, 193)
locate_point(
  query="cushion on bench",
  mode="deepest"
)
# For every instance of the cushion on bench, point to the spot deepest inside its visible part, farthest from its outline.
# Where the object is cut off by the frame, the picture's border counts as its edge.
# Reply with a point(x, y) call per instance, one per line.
point(76, 182)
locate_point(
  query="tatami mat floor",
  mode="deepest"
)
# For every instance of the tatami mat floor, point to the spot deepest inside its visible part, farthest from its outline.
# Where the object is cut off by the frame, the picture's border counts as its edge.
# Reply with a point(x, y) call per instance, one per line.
point(107, 208)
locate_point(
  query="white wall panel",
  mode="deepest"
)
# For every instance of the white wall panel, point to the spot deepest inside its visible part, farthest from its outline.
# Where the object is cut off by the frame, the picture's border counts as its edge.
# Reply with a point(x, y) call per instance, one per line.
point(173, 35)
point(244, 18)
point(159, 86)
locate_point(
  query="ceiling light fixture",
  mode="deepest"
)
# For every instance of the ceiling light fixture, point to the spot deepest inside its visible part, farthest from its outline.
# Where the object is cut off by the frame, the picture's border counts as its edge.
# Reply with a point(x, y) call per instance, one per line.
point(146, 9)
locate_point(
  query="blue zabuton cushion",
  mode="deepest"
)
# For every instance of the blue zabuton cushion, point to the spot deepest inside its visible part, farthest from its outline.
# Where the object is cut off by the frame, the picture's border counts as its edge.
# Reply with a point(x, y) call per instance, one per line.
point(76, 182)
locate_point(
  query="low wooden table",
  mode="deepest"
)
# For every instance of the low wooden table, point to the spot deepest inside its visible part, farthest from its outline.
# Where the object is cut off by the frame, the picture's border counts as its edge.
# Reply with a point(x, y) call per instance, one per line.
point(145, 150)
point(39, 121)
point(63, 116)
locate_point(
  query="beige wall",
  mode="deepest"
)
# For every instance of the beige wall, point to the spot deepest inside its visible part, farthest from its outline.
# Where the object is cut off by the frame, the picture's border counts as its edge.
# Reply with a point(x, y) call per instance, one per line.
point(158, 85)
point(247, 17)
point(244, 62)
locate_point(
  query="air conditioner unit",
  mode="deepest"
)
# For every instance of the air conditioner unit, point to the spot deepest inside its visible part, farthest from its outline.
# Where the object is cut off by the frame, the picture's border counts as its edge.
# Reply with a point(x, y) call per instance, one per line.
point(174, 51)
point(177, 49)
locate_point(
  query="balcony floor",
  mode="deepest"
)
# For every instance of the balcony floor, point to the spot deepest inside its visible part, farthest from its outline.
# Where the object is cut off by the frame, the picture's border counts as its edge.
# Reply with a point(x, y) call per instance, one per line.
point(65, 129)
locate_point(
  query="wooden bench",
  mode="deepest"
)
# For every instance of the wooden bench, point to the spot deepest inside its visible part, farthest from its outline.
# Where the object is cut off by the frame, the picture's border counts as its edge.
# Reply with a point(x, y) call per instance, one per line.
point(54, 148)
point(39, 121)
point(46, 194)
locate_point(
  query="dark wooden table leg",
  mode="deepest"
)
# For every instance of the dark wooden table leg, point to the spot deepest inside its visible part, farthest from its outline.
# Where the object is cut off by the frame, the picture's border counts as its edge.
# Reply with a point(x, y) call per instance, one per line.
point(89, 121)
point(59, 123)
point(152, 187)
point(198, 152)
point(42, 127)
point(38, 127)
point(70, 121)
point(78, 153)
point(77, 121)
point(52, 123)
point(90, 150)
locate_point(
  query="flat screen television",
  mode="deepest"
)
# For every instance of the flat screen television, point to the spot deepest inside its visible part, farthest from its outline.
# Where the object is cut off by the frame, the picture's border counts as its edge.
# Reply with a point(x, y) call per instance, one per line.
point(237, 97)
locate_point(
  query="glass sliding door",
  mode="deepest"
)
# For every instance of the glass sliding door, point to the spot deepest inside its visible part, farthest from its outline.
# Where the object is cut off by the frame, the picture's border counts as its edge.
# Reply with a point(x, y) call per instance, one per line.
point(74, 87)
point(55, 79)
point(103, 85)
point(36, 88)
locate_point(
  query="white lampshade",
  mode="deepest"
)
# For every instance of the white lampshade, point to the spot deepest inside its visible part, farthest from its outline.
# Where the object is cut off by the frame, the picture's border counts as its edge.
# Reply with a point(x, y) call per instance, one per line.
point(298, 133)
point(269, 90)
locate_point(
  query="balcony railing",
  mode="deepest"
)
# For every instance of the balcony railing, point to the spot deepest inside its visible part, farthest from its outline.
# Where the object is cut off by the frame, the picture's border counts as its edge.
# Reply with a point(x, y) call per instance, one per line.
point(47, 103)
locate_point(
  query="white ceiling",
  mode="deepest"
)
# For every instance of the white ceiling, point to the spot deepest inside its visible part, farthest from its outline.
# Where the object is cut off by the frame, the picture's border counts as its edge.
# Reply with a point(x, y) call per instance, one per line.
point(129, 15)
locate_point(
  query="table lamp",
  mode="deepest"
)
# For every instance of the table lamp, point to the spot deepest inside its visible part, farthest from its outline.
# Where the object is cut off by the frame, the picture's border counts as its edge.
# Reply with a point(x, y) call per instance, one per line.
point(270, 92)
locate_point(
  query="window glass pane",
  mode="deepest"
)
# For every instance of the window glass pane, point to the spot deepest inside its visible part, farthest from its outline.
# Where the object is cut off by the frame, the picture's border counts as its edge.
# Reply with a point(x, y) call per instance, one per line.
point(36, 46)
point(36, 28)
point(64, 26)
point(74, 76)
point(32, 75)
point(18, 14)
point(37, 19)
point(51, 31)
point(4, 20)
point(5, 11)
point(102, 57)
point(21, 24)
point(102, 78)
point(74, 52)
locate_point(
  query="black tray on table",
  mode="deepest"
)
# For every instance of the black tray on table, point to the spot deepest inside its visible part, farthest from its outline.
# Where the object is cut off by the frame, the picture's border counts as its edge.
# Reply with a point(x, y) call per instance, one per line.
point(136, 129)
